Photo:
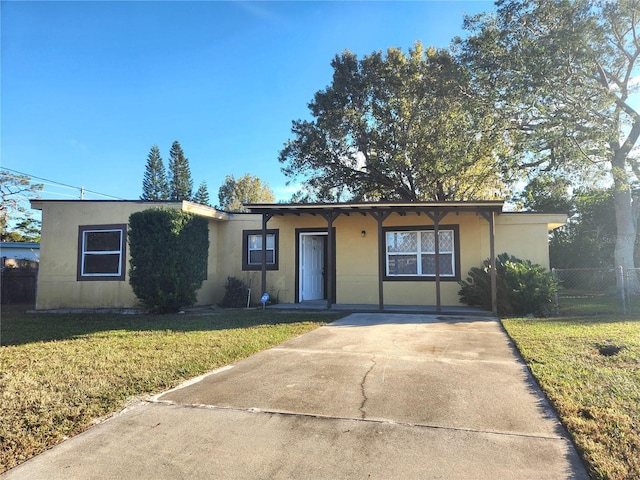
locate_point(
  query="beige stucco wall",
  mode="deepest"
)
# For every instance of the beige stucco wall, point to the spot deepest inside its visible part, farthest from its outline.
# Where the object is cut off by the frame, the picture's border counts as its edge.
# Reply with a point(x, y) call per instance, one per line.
point(58, 287)
point(229, 254)
point(522, 235)
point(525, 235)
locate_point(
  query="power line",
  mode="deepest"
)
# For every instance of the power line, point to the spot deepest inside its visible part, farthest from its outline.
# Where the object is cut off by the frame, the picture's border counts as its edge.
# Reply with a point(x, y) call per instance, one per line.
point(59, 194)
point(53, 182)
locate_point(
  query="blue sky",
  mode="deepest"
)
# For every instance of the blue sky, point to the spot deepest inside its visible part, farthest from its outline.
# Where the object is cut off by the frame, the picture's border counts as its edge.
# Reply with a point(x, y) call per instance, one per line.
point(88, 87)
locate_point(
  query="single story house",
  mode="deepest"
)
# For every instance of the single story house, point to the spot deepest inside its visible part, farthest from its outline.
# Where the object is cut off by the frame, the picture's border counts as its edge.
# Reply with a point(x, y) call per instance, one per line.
point(13, 252)
point(376, 254)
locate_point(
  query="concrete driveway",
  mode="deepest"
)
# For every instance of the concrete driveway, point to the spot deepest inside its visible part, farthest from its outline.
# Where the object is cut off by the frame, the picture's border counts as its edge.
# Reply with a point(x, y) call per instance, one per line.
point(371, 396)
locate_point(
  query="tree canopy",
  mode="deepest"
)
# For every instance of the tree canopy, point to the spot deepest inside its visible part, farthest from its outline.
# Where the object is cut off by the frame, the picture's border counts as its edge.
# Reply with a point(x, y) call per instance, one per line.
point(397, 127)
point(563, 73)
point(233, 194)
point(547, 194)
point(16, 223)
point(588, 239)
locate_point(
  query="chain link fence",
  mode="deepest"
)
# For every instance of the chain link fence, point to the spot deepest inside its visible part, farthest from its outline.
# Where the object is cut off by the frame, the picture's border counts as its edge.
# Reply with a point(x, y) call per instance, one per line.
point(632, 290)
point(604, 290)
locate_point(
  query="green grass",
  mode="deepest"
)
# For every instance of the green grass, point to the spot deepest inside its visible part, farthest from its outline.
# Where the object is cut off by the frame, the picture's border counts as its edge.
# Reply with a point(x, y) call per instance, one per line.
point(589, 367)
point(60, 373)
point(591, 304)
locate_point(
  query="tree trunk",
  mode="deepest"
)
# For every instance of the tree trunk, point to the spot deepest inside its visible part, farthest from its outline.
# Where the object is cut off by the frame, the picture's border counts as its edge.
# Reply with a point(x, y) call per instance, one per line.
point(625, 236)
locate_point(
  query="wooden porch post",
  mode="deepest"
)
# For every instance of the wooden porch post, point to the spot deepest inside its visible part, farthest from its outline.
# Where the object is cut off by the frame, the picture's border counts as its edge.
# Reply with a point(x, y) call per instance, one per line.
point(265, 219)
point(492, 255)
point(382, 268)
point(330, 217)
point(436, 235)
point(436, 217)
point(491, 218)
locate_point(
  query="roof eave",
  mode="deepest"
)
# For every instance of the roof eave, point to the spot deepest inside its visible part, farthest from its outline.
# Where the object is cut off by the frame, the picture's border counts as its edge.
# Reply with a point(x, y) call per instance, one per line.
point(404, 207)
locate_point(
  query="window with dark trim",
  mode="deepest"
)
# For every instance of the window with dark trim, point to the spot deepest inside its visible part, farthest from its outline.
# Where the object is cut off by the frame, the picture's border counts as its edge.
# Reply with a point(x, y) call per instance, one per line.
point(102, 252)
point(252, 250)
point(410, 253)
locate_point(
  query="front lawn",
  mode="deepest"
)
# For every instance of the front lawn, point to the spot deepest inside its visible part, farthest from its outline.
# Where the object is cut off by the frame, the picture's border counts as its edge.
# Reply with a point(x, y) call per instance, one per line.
point(589, 367)
point(590, 304)
point(59, 373)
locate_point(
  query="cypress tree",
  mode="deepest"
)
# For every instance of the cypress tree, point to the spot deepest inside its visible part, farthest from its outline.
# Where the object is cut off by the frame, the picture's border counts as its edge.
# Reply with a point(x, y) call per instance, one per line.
point(154, 182)
point(180, 182)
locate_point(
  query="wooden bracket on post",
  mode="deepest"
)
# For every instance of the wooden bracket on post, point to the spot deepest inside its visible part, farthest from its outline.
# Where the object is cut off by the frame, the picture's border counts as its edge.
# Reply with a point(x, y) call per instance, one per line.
point(265, 218)
point(381, 216)
point(490, 217)
point(330, 217)
point(436, 217)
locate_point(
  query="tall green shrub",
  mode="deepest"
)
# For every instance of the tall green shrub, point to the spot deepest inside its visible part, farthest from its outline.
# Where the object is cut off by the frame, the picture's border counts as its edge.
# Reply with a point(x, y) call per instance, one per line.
point(169, 254)
point(523, 287)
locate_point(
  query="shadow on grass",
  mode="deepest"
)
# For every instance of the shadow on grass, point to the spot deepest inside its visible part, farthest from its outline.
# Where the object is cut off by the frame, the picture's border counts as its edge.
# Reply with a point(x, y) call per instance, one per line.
point(22, 328)
point(589, 309)
point(590, 305)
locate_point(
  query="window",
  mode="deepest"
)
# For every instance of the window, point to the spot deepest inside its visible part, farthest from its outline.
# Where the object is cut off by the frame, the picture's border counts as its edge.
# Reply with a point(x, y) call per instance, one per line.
point(252, 250)
point(412, 253)
point(101, 252)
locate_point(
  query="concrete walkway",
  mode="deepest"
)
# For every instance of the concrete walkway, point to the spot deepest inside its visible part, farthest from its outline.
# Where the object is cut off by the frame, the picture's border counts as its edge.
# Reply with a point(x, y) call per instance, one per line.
point(372, 396)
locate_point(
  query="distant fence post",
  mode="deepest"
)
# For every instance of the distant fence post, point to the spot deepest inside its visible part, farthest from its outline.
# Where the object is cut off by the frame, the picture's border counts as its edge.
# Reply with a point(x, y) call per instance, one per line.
point(623, 289)
point(555, 275)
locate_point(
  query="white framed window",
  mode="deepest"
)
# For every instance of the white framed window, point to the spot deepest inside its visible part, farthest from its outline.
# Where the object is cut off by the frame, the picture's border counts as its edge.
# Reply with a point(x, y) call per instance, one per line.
point(101, 252)
point(254, 253)
point(252, 249)
point(412, 253)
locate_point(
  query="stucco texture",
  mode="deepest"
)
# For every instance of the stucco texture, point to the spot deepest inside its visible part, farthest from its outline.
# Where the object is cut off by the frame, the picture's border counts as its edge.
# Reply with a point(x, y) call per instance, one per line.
point(356, 254)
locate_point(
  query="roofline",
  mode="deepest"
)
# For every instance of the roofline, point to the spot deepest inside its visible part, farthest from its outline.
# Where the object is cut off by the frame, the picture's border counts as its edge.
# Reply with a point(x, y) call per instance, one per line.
point(204, 210)
point(364, 207)
point(78, 200)
point(19, 244)
point(553, 220)
point(187, 206)
point(376, 204)
point(101, 200)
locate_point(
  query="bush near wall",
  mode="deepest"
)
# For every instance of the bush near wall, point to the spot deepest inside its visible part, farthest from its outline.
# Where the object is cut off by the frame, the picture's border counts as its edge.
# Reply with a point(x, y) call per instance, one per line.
point(236, 291)
point(523, 287)
point(169, 254)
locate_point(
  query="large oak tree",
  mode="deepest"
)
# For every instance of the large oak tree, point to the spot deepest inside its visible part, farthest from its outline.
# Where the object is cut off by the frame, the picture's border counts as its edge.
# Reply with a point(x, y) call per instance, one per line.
point(563, 73)
point(398, 126)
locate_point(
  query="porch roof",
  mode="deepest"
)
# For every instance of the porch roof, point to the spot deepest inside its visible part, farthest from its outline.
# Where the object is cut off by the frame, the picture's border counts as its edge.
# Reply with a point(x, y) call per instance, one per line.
point(380, 211)
point(363, 208)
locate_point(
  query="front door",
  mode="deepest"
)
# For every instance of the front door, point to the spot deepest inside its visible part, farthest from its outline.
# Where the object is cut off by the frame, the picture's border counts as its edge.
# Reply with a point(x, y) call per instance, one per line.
point(312, 247)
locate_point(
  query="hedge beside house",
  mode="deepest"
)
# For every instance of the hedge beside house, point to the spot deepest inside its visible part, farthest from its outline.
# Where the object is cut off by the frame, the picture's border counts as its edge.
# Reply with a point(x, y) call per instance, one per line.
point(523, 287)
point(169, 254)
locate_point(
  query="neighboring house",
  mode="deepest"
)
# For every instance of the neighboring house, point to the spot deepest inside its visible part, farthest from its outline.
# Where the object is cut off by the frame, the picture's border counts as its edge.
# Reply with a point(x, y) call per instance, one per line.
point(15, 253)
point(375, 254)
